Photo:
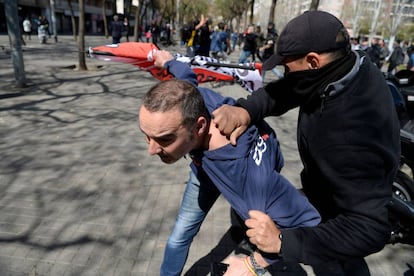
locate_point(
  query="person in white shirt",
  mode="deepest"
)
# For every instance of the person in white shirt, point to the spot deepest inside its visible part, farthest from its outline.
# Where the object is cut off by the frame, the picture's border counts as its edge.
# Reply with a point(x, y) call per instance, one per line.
point(27, 28)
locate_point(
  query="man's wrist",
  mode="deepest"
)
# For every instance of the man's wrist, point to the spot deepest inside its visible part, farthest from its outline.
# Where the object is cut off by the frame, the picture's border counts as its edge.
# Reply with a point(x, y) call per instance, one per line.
point(272, 257)
point(259, 268)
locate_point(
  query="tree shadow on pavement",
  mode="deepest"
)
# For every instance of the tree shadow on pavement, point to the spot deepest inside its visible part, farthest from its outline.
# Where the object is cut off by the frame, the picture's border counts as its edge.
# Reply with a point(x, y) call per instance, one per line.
point(71, 175)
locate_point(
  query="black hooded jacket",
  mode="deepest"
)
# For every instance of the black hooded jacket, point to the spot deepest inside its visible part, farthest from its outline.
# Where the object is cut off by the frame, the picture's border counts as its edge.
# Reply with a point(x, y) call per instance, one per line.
point(350, 147)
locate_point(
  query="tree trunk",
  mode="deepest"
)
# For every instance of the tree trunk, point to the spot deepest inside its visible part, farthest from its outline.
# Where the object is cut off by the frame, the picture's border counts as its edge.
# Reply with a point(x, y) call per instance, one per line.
point(374, 19)
point(72, 18)
point(53, 17)
point(272, 11)
point(251, 12)
point(127, 10)
point(136, 23)
point(12, 18)
point(395, 21)
point(105, 19)
point(314, 5)
point(245, 15)
point(81, 40)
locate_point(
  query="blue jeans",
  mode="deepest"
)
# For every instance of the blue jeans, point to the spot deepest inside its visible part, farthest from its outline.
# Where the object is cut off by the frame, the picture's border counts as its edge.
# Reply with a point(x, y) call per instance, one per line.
point(197, 201)
point(243, 56)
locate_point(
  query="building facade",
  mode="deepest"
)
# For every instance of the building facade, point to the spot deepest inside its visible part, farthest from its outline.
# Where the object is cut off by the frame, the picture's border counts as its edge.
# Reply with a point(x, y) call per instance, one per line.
point(63, 11)
point(288, 9)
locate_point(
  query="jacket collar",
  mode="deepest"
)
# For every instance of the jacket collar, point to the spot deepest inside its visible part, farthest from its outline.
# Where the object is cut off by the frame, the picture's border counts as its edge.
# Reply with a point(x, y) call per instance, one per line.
point(338, 86)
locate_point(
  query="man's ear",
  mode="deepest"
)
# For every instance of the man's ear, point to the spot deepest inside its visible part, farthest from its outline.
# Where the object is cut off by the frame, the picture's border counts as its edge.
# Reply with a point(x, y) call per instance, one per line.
point(201, 125)
point(313, 60)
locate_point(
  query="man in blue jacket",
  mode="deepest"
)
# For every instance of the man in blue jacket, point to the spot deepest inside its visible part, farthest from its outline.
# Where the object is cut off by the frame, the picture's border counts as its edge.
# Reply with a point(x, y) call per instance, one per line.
point(175, 117)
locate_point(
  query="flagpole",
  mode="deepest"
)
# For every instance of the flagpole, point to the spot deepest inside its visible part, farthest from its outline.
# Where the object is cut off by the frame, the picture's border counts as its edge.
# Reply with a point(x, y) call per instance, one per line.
point(92, 52)
point(229, 65)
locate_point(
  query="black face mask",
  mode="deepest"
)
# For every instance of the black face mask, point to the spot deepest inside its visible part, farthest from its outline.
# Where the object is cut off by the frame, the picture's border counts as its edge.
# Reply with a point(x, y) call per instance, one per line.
point(307, 88)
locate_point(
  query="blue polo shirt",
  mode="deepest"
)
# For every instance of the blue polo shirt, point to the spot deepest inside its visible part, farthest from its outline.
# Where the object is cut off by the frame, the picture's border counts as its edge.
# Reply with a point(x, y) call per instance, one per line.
point(248, 174)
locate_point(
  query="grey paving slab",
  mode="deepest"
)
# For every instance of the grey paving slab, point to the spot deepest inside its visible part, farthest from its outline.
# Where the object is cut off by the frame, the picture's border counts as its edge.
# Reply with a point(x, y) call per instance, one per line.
point(79, 194)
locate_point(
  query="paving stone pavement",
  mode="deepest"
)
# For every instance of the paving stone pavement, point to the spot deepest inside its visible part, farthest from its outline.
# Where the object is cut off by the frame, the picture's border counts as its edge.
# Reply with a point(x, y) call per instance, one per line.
point(79, 193)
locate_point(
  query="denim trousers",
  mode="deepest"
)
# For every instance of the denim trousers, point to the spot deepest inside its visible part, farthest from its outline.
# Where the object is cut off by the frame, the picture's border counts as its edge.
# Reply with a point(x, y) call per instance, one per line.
point(197, 201)
point(243, 56)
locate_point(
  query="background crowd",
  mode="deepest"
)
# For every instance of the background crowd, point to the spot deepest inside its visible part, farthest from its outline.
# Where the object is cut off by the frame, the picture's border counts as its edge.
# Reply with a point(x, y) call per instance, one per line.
point(218, 40)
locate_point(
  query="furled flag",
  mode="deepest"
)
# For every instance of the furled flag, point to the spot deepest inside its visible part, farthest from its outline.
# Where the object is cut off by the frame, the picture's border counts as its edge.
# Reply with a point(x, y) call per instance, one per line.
point(207, 69)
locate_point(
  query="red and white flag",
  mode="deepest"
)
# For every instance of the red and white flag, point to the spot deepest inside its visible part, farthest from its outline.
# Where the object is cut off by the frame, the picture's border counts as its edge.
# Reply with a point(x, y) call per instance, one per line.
point(207, 69)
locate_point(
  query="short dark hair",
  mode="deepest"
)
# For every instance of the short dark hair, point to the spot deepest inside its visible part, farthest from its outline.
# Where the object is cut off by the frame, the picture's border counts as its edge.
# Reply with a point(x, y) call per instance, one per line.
point(342, 36)
point(176, 94)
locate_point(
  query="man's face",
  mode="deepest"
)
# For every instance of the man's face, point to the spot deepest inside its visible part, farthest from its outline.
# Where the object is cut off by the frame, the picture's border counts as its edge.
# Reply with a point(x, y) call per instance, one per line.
point(165, 134)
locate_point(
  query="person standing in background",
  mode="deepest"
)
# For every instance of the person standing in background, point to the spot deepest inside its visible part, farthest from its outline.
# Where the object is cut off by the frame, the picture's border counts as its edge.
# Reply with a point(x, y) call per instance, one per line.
point(116, 30)
point(155, 33)
point(168, 34)
point(191, 39)
point(249, 45)
point(397, 57)
point(374, 52)
point(219, 42)
point(42, 31)
point(126, 29)
point(355, 45)
point(203, 40)
point(271, 31)
point(384, 52)
point(27, 28)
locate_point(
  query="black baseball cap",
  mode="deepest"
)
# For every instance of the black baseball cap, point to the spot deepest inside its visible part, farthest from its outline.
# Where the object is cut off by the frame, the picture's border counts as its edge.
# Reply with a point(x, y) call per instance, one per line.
point(312, 31)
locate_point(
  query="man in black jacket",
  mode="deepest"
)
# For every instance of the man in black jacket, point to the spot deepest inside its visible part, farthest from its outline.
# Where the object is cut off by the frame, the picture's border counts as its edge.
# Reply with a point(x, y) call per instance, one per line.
point(117, 27)
point(396, 57)
point(374, 52)
point(249, 45)
point(348, 140)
